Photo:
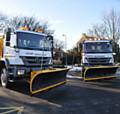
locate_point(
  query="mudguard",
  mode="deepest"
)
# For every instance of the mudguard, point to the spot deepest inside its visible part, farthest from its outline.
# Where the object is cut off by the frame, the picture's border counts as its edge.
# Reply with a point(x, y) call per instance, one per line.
point(99, 72)
point(46, 79)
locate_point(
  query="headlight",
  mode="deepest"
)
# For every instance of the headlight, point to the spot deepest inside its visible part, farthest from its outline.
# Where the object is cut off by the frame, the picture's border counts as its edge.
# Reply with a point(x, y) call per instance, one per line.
point(85, 60)
point(111, 60)
point(50, 61)
point(21, 72)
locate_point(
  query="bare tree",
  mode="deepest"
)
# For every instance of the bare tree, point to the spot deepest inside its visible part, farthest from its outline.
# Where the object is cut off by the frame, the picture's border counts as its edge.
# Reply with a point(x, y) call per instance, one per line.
point(58, 51)
point(109, 28)
point(31, 23)
point(17, 22)
point(58, 44)
point(3, 21)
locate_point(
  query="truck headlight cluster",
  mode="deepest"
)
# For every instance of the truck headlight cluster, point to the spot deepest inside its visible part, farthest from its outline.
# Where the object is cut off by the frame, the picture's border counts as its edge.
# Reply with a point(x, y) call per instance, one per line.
point(111, 60)
point(86, 60)
point(21, 72)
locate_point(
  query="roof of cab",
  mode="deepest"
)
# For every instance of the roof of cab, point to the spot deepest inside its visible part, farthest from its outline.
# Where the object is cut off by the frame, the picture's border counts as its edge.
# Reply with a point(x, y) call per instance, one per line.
point(32, 32)
point(92, 41)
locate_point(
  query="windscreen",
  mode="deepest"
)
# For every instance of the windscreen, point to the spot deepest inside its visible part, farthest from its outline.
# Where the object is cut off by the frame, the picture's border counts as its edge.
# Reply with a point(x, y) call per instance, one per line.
point(33, 41)
point(98, 47)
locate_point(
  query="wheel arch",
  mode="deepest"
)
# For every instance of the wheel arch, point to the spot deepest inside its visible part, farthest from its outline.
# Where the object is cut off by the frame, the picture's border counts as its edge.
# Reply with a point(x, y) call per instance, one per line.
point(2, 65)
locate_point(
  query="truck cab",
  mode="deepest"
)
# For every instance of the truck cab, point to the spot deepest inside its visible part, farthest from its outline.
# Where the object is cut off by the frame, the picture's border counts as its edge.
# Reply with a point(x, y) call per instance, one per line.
point(97, 53)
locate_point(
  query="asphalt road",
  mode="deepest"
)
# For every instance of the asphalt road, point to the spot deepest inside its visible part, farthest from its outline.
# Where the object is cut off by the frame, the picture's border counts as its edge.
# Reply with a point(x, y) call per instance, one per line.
point(76, 97)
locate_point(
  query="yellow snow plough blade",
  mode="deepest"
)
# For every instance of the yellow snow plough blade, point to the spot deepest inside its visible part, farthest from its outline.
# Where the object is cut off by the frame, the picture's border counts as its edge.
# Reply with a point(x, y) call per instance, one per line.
point(46, 79)
point(100, 72)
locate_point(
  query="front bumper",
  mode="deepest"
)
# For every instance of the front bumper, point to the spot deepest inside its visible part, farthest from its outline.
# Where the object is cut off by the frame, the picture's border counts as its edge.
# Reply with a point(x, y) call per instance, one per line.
point(18, 72)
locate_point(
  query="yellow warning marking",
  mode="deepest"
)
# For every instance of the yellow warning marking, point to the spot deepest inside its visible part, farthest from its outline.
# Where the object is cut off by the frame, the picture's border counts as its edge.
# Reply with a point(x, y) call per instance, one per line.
point(34, 73)
point(105, 77)
point(46, 88)
point(97, 67)
point(92, 67)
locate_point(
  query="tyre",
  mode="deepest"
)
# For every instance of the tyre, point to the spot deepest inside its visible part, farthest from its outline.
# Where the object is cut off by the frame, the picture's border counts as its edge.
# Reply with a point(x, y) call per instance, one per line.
point(4, 78)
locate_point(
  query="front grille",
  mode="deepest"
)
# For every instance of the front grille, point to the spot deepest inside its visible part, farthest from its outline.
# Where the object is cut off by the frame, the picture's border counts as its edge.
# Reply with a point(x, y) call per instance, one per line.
point(98, 60)
point(35, 60)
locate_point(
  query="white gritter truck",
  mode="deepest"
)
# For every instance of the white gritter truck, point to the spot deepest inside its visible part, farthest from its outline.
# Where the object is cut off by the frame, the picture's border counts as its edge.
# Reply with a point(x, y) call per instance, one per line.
point(97, 58)
point(27, 55)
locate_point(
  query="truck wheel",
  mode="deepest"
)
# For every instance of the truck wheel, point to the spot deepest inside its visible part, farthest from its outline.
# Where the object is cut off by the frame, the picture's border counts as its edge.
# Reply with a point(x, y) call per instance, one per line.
point(4, 78)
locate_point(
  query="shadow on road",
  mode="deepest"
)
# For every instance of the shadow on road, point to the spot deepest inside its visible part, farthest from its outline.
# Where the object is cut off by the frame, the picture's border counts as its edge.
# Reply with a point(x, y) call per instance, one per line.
point(107, 83)
point(75, 97)
point(20, 86)
point(23, 87)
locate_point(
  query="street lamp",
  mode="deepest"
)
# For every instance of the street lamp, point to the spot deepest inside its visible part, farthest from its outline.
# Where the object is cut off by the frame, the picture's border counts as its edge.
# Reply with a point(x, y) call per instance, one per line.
point(64, 35)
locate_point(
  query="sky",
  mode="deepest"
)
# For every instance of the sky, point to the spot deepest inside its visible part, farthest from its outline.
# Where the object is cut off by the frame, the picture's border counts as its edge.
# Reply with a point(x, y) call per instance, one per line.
point(69, 17)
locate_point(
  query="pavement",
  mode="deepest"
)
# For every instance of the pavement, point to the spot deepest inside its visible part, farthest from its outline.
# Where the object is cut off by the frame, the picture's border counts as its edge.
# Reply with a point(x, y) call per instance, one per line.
point(75, 97)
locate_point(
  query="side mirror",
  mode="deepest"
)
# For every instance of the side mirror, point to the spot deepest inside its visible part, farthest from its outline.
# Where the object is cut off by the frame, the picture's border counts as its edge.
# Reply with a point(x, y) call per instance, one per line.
point(8, 35)
point(17, 50)
point(114, 53)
